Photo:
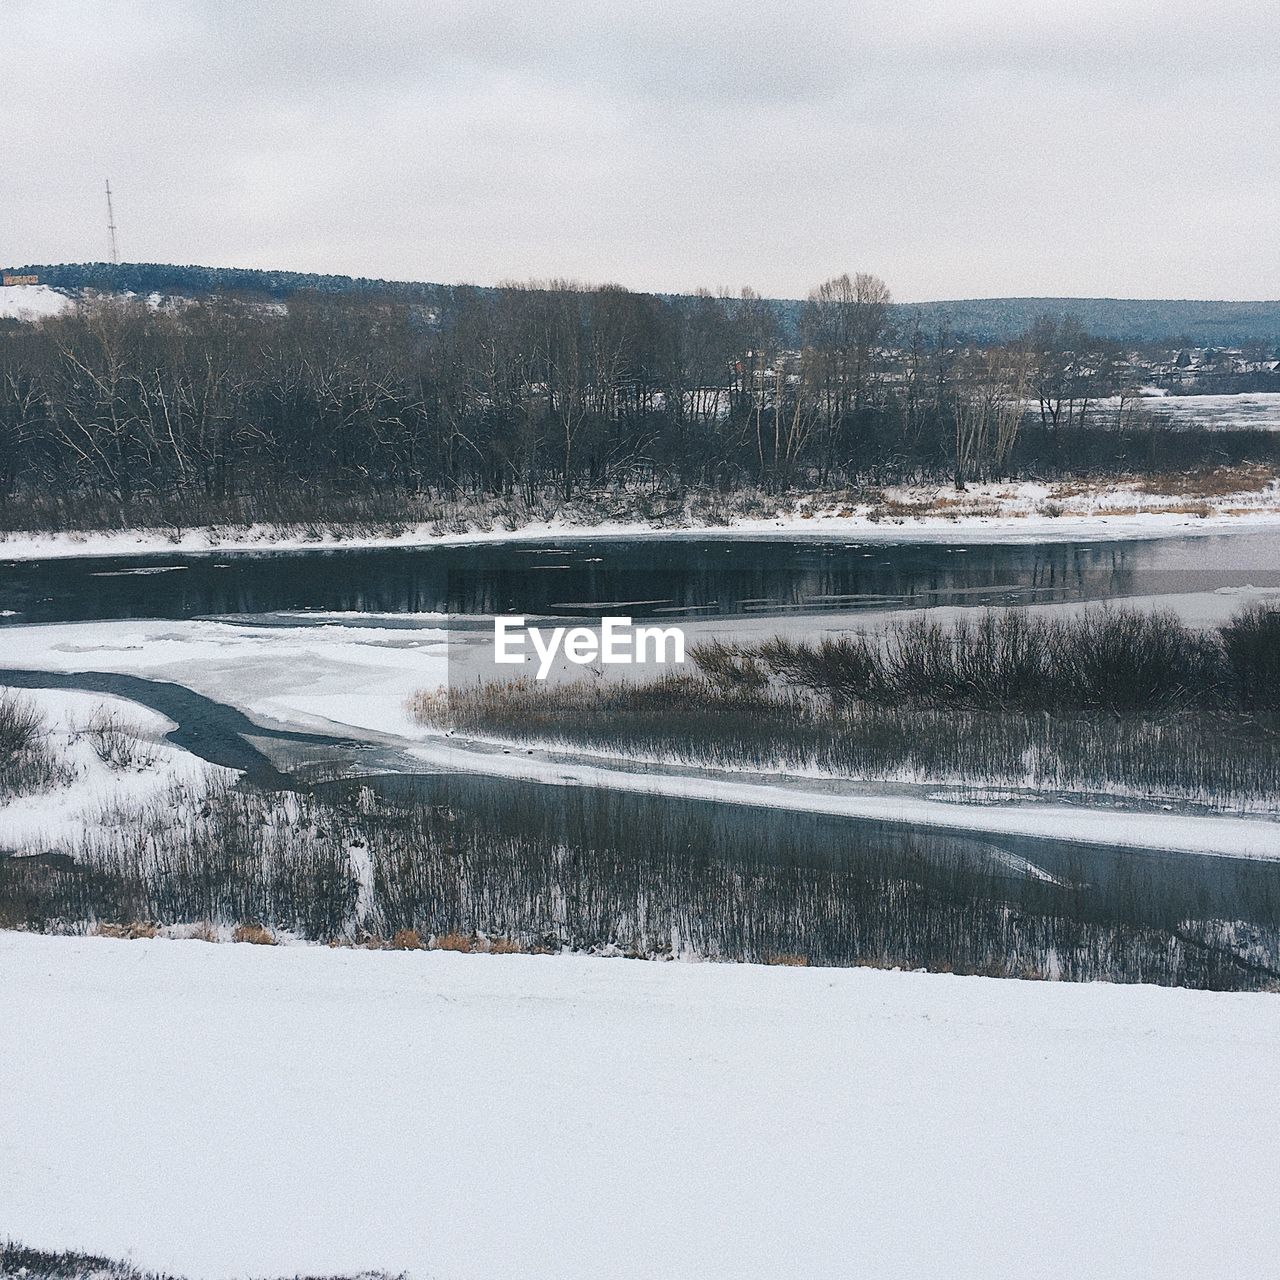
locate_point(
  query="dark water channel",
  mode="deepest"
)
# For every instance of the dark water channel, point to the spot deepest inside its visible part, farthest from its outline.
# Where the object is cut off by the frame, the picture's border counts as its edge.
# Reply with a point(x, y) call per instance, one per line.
point(1186, 885)
point(669, 577)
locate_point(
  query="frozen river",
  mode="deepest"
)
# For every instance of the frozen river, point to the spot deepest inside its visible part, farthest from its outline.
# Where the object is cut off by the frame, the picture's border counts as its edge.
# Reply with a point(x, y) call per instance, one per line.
point(681, 576)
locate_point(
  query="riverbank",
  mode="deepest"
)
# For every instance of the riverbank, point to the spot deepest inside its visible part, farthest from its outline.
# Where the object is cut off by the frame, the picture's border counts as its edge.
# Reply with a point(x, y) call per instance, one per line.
point(307, 1111)
point(1243, 498)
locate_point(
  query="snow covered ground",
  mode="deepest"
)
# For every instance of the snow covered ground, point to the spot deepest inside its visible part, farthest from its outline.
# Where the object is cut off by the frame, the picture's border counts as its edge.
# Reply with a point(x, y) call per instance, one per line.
point(62, 815)
point(223, 1111)
point(328, 678)
point(1012, 512)
point(31, 302)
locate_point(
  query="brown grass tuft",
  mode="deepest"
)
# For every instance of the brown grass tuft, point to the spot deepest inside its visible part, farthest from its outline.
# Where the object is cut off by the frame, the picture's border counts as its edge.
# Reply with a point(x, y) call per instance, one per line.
point(407, 940)
point(255, 934)
point(789, 958)
point(453, 942)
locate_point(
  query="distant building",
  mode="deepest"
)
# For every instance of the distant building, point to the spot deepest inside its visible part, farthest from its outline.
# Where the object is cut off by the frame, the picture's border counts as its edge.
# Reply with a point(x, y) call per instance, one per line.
point(17, 280)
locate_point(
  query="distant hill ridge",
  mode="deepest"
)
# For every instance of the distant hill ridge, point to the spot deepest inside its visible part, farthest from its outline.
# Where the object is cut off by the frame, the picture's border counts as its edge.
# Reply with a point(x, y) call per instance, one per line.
point(1199, 323)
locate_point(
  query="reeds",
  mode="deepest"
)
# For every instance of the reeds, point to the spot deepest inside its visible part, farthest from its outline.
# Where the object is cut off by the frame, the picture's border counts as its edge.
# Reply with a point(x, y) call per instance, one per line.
point(27, 763)
point(487, 866)
point(1107, 700)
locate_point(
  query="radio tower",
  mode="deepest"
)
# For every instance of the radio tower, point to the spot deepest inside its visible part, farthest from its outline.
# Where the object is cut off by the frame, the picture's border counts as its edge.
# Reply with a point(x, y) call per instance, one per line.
point(111, 228)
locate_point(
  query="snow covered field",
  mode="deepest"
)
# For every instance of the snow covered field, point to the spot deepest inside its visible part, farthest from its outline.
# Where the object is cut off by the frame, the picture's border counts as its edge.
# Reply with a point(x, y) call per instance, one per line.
point(236, 1110)
point(62, 815)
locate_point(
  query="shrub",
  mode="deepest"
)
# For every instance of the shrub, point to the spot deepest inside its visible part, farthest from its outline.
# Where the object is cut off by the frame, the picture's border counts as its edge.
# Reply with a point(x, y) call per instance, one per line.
point(27, 763)
point(113, 743)
point(1251, 647)
point(20, 726)
point(453, 941)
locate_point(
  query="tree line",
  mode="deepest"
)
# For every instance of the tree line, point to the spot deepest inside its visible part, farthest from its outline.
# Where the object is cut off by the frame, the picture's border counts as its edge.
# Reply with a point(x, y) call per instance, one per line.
point(526, 389)
point(1178, 323)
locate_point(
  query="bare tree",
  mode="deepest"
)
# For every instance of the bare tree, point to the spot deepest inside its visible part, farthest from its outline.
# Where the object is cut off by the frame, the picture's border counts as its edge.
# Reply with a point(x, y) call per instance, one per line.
point(989, 410)
point(844, 321)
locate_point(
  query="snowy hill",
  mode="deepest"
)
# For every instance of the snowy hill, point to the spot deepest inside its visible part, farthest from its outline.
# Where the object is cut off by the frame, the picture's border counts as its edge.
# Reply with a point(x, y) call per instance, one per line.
point(31, 301)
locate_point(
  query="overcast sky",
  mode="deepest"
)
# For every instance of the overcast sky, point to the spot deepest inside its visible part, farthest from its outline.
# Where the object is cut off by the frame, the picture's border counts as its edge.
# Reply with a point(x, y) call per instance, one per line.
point(961, 149)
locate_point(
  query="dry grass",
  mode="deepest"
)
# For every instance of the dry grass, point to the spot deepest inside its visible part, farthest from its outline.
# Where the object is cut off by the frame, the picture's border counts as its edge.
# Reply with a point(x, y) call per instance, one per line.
point(254, 934)
point(1197, 486)
point(27, 762)
point(789, 959)
point(504, 947)
point(407, 940)
point(115, 743)
point(898, 507)
point(453, 942)
point(1108, 700)
point(616, 877)
point(1200, 509)
point(1209, 482)
point(951, 506)
point(429, 706)
point(138, 929)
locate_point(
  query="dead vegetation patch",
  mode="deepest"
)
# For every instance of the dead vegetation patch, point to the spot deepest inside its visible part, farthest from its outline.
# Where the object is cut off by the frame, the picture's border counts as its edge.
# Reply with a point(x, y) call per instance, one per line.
point(453, 942)
point(1209, 482)
point(255, 934)
point(137, 929)
point(505, 947)
point(941, 504)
